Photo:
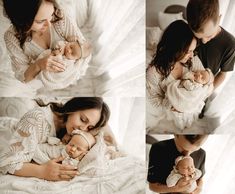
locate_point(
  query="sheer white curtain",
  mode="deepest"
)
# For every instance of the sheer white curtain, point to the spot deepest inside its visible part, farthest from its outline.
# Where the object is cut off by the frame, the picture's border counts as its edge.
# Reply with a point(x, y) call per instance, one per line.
point(127, 122)
point(220, 168)
point(223, 105)
point(117, 28)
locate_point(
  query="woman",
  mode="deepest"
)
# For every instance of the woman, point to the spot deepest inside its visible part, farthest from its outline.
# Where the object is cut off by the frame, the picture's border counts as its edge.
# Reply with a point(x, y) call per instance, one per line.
point(36, 26)
point(84, 113)
point(173, 58)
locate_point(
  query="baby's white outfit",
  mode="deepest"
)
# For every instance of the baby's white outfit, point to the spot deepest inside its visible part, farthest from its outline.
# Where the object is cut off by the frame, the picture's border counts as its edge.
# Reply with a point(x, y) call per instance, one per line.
point(53, 149)
point(175, 176)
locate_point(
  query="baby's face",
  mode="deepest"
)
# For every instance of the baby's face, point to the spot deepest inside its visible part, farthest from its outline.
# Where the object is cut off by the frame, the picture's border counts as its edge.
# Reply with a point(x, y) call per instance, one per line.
point(202, 77)
point(77, 147)
point(186, 167)
point(72, 51)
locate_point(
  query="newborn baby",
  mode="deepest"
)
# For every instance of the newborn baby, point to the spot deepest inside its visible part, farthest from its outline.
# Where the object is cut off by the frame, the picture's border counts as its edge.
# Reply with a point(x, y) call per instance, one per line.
point(184, 168)
point(78, 146)
point(187, 95)
point(74, 55)
point(194, 80)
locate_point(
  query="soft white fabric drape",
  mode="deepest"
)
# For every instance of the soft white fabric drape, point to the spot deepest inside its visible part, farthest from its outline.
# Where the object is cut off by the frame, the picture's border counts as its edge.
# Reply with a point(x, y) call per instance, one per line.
point(127, 122)
point(117, 27)
point(220, 168)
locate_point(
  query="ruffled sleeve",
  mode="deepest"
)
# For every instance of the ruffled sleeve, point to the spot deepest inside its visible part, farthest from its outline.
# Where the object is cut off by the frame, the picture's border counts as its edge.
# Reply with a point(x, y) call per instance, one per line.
point(30, 130)
point(197, 64)
point(66, 28)
point(155, 92)
point(19, 61)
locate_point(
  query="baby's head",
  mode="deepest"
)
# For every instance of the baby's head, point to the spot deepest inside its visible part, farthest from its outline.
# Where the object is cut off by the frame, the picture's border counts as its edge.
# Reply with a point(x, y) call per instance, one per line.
point(80, 143)
point(204, 77)
point(73, 50)
point(185, 165)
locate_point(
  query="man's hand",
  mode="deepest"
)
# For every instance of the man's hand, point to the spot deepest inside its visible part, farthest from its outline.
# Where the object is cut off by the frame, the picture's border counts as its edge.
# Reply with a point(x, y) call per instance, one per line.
point(183, 185)
point(199, 187)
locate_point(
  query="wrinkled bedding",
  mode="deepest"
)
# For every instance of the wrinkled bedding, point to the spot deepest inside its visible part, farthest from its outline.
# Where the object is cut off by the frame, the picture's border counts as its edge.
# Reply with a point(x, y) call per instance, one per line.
point(99, 172)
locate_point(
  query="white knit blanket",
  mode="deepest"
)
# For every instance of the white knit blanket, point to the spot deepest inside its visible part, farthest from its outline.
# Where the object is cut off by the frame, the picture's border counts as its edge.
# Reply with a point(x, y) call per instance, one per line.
point(185, 100)
point(58, 80)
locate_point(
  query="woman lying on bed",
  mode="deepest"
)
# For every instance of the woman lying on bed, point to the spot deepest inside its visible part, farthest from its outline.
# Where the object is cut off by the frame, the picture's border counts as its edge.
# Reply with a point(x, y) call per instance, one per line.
point(174, 57)
point(34, 128)
point(36, 27)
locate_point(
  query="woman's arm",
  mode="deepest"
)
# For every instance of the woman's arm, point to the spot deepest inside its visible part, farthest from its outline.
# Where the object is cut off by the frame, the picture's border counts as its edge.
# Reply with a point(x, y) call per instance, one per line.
point(48, 63)
point(51, 171)
point(24, 70)
point(66, 28)
point(155, 93)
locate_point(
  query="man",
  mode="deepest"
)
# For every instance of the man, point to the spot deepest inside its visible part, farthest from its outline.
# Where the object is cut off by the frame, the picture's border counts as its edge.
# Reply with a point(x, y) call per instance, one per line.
point(217, 47)
point(162, 159)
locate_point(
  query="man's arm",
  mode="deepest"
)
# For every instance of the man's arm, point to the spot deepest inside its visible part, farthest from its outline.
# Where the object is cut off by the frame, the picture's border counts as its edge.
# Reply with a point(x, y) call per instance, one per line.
point(160, 188)
point(219, 78)
point(198, 190)
point(182, 186)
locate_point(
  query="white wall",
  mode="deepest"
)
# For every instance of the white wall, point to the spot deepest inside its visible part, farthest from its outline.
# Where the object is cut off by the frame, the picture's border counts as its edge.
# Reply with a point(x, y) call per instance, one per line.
point(154, 6)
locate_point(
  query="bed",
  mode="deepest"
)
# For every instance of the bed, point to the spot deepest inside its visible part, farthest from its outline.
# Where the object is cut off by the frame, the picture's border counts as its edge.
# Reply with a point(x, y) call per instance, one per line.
point(116, 31)
point(126, 174)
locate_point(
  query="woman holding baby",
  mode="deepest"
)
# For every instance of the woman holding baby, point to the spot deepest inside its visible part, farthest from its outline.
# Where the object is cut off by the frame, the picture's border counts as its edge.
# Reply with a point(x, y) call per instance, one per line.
point(86, 114)
point(173, 59)
point(37, 26)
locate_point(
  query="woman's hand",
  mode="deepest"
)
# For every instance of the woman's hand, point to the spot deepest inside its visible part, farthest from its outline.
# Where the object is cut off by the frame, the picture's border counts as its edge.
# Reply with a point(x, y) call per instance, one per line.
point(50, 63)
point(53, 171)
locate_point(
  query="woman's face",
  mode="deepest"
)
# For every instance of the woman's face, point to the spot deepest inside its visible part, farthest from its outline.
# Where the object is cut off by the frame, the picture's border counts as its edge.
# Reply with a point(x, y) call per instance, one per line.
point(84, 120)
point(189, 53)
point(43, 17)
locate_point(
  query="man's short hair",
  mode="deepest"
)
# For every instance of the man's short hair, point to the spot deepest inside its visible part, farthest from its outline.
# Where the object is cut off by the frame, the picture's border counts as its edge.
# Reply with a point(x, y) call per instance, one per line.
point(201, 11)
point(194, 138)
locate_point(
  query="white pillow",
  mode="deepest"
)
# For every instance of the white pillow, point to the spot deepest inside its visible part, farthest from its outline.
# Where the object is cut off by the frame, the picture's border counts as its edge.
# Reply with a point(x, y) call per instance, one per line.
point(164, 19)
point(95, 159)
point(15, 107)
point(153, 35)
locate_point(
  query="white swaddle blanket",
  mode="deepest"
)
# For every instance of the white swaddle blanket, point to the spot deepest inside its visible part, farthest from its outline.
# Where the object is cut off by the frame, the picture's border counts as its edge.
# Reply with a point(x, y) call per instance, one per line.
point(187, 101)
point(58, 80)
